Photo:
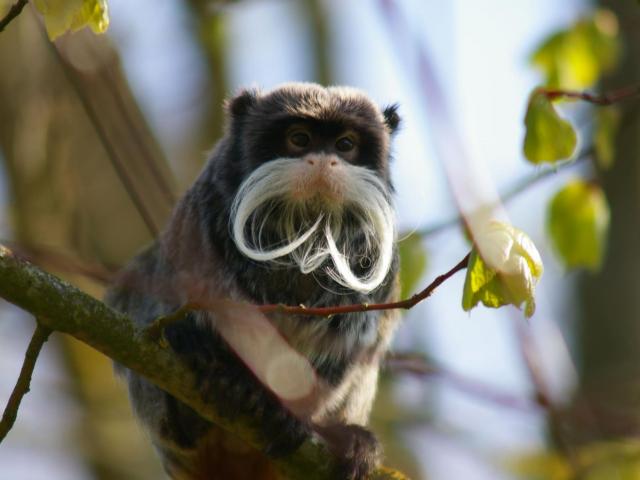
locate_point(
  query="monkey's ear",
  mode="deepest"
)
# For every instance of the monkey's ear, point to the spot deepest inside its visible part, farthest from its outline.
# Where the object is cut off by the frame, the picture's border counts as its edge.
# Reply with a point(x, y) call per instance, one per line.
point(391, 117)
point(242, 102)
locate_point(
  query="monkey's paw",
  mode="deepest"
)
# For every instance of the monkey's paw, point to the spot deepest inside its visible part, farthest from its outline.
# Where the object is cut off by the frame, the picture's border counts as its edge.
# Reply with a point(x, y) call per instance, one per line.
point(356, 449)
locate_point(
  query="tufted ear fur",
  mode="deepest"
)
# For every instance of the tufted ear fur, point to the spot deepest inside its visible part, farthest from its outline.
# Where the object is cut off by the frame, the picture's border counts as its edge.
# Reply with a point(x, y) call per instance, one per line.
point(240, 104)
point(391, 117)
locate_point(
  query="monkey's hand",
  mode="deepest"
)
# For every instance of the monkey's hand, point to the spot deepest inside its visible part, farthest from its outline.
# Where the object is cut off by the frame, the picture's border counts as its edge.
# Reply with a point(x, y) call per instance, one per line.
point(356, 449)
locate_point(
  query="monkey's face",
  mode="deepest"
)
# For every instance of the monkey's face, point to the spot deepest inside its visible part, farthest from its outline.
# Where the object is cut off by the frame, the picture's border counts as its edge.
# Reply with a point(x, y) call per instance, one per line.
point(325, 153)
point(316, 193)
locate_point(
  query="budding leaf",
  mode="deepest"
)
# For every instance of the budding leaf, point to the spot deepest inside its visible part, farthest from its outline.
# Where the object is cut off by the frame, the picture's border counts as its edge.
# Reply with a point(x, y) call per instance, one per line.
point(413, 263)
point(506, 273)
point(548, 137)
point(607, 122)
point(578, 222)
point(63, 15)
point(576, 57)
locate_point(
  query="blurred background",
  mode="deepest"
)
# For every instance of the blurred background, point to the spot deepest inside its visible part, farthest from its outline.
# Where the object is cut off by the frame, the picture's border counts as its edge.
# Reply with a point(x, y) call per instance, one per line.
point(99, 135)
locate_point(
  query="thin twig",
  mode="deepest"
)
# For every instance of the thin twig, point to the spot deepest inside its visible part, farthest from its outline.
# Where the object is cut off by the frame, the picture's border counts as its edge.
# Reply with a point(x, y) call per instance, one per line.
point(13, 12)
point(608, 98)
point(418, 366)
point(516, 189)
point(544, 397)
point(64, 262)
point(117, 163)
point(156, 328)
point(137, 124)
point(366, 307)
point(10, 414)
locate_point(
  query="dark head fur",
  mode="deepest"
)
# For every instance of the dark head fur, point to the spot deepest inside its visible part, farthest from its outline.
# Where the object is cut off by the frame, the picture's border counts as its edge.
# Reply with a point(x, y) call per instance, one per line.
point(258, 119)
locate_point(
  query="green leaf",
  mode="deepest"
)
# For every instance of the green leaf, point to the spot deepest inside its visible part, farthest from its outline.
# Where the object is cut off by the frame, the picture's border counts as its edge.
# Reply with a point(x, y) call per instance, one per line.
point(607, 123)
point(413, 263)
point(578, 222)
point(548, 137)
point(61, 16)
point(578, 56)
point(506, 273)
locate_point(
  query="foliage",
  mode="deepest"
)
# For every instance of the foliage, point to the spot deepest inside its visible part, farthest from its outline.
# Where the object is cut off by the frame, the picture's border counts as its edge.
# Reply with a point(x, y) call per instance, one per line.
point(503, 269)
point(576, 57)
point(63, 15)
point(549, 137)
point(578, 220)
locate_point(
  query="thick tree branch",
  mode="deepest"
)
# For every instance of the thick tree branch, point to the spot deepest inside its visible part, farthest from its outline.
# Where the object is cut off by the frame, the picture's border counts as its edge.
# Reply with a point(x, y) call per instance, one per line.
point(64, 308)
point(13, 12)
point(24, 379)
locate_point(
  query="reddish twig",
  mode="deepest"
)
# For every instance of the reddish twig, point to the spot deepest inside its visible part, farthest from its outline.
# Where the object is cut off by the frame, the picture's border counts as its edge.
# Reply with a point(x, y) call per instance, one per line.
point(10, 414)
point(13, 12)
point(155, 329)
point(609, 98)
point(366, 307)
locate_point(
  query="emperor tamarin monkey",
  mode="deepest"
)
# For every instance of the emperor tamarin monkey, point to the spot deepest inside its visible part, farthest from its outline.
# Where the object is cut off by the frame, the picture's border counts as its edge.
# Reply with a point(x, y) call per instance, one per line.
point(293, 207)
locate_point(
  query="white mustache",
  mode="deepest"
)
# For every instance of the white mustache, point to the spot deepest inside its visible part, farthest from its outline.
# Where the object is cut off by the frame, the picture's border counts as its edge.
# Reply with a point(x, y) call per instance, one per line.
point(263, 199)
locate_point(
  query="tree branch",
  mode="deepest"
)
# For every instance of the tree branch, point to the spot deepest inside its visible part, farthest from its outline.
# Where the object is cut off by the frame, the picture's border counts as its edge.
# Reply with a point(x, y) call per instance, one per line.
point(10, 414)
point(13, 12)
point(64, 308)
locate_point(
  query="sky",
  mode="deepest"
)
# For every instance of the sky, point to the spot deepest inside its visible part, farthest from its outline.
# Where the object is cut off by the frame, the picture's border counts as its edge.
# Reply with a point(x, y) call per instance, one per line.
point(478, 51)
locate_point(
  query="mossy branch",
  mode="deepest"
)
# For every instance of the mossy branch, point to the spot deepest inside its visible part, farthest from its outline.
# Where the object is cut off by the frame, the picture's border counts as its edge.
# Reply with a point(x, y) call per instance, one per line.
point(64, 308)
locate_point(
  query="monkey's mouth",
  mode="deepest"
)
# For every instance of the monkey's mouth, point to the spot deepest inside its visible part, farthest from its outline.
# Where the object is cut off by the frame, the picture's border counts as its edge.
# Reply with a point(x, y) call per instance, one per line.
point(336, 221)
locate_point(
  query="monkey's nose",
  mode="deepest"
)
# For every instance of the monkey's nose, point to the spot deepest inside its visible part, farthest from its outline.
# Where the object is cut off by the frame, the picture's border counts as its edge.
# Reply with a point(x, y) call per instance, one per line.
point(322, 161)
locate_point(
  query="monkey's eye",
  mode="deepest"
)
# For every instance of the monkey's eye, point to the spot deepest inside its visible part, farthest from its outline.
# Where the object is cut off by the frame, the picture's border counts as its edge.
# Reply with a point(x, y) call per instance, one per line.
point(300, 139)
point(345, 144)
